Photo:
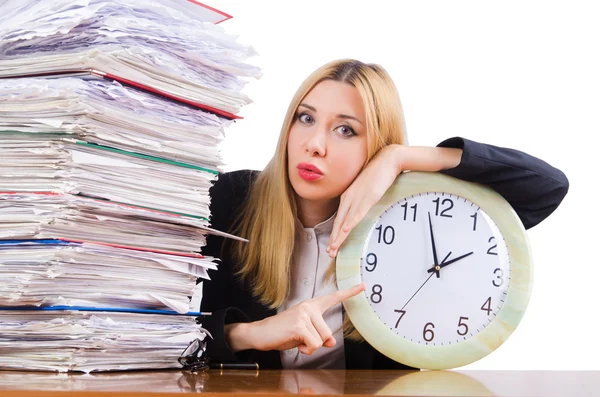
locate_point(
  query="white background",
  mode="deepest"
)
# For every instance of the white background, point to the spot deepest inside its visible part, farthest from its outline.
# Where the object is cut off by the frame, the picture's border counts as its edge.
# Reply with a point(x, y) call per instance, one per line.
point(518, 74)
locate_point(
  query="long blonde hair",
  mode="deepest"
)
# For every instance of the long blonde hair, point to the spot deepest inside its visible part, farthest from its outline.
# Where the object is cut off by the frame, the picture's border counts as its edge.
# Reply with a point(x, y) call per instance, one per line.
point(268, 216)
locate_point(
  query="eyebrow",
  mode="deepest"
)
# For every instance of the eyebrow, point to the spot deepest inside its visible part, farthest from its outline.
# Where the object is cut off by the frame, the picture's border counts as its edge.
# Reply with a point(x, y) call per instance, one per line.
point(342, 116)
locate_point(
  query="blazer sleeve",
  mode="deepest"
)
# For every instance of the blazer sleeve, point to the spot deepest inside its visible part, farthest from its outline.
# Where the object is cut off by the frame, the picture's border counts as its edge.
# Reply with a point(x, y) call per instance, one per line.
point(531, 186)
point(227, 196)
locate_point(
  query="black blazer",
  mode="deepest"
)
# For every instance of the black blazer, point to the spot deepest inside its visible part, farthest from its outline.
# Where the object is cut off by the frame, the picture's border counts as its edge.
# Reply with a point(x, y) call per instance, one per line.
point(530, 185)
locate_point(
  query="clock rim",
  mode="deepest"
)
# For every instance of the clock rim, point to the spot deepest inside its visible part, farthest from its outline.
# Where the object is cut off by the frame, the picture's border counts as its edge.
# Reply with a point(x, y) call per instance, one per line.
point(396, 347)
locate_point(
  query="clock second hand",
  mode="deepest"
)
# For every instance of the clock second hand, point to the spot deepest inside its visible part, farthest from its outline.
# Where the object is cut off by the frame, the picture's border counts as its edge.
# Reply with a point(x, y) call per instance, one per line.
point(422, 285)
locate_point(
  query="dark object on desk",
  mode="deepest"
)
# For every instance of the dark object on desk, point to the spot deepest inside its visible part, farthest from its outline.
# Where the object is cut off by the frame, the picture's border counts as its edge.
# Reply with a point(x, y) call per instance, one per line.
point(193, 358)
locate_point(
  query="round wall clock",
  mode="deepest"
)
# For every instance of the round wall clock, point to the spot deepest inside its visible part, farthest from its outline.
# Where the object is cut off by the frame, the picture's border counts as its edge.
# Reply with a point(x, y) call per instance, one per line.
point(447, 268)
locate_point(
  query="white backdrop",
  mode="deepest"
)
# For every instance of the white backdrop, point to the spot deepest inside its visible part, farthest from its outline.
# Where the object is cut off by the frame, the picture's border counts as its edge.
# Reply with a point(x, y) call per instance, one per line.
point(519, 74)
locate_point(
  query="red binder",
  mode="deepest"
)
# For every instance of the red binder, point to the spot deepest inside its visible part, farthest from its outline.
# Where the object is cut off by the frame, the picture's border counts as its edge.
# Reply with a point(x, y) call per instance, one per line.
point(100, 74)
point(212, 14)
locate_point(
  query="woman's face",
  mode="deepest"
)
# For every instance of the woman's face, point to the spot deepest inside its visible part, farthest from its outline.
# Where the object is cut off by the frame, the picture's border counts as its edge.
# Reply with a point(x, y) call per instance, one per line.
point(327, 144)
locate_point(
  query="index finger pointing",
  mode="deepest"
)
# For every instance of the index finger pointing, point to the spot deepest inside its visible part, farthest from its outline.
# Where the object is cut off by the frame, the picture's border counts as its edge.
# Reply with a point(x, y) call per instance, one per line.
point(327, 301)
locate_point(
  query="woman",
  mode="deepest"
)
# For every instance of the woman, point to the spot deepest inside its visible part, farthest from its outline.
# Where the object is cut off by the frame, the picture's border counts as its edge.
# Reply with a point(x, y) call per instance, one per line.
point(342, 144)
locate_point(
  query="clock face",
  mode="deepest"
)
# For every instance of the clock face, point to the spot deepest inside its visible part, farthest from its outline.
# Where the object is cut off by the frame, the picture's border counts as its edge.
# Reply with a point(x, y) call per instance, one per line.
point(427, 304)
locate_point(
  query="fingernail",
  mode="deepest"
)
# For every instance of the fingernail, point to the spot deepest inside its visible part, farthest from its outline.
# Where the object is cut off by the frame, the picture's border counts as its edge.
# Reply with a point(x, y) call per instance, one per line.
point(327, 250)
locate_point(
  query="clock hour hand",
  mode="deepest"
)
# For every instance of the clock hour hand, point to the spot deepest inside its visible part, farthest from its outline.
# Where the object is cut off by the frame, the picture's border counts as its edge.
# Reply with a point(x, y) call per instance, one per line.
point(451, 261)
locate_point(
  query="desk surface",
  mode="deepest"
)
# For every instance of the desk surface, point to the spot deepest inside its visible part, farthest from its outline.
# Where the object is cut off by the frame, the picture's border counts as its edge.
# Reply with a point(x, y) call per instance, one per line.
point(320, 382)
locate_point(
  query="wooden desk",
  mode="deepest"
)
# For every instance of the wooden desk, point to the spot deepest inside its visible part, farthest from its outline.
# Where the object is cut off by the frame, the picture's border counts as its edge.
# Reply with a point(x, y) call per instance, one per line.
point(320, 382)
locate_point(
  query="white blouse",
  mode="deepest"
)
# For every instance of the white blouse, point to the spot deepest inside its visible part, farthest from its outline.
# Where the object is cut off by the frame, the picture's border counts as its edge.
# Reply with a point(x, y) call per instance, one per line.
point(310, 262)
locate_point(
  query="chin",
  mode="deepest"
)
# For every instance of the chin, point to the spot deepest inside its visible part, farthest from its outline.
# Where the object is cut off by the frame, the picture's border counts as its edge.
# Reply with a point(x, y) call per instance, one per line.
point(313, 191)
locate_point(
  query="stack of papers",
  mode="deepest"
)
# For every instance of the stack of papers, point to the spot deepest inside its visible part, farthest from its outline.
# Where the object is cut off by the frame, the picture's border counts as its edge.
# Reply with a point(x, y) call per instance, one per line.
point(160, 45)
point(44, 164)
point(80, 341)
point(111, 116)
point(69, 273)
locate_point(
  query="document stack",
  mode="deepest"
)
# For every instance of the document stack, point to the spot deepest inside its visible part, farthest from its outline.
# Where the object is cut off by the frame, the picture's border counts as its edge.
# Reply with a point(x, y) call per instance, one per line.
point(111, 114)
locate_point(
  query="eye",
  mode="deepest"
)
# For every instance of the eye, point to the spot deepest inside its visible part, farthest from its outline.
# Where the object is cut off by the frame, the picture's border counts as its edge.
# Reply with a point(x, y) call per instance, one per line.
point(346, 130)
point(305, 118)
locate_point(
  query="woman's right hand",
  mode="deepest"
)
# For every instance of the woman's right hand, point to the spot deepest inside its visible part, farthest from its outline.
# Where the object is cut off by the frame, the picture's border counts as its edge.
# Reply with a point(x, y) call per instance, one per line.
point(300, 326)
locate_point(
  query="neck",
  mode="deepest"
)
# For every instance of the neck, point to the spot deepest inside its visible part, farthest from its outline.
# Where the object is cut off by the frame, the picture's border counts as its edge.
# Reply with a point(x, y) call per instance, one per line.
point(313, 212)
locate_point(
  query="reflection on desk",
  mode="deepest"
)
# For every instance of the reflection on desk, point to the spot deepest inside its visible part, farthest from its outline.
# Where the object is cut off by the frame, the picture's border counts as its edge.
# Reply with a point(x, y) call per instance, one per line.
point(320, 382)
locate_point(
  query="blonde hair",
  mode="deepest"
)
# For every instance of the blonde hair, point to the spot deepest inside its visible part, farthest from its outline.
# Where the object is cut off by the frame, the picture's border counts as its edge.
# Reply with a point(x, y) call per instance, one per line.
point(268, 216)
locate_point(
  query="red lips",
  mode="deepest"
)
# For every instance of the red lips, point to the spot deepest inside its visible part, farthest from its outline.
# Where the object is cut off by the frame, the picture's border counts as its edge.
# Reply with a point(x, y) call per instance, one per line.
point(309, 172)
point(309, 167)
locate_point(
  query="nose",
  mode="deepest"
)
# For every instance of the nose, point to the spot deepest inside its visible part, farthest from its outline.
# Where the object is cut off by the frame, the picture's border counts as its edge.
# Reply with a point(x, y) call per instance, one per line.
point(316, 143)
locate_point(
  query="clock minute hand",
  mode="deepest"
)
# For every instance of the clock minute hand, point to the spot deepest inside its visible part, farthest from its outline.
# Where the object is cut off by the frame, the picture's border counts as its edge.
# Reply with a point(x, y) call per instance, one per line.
point(435, 259)
point(451, 261)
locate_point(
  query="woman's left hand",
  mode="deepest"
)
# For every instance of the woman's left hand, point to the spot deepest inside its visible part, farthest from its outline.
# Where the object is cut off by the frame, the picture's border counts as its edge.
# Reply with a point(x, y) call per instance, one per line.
point(366, 190)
